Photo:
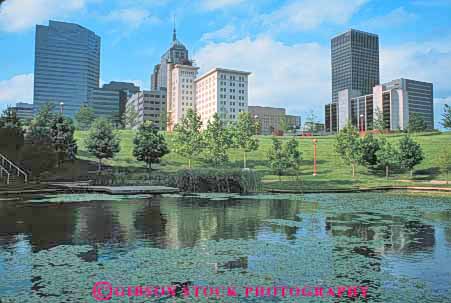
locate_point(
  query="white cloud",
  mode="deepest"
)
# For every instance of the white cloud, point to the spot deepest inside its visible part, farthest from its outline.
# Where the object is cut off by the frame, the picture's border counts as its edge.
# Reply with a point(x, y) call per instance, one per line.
point(18, 15)
point(293, 76)
point(396, 17)
point(226, 33)
point(17, 89)
point(304, 15)
point(211, 5)
point(424, 61)
point(132, 17)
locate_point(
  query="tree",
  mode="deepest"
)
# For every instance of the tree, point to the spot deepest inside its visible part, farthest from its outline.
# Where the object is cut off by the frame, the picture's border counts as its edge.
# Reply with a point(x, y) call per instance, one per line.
point(101, 141)
point(149, 145)
point(293, 154)
point(38, 154)
point(62, 136)
point(446, 116)
point(369, 146)
point(163, 120)
point(283, 124)
point(187, 138)
point(310, 122)
point(445, 163)
point(410, 153)
point(9, 119)
point(378, 120)
point(11, 133)
point(277, 158)
point(84, 117)
point(244, 132)
point(40, 125)
point(416, 123)
point(387, 156)
point(217, 141)
point(348, 146)
point(130, 117)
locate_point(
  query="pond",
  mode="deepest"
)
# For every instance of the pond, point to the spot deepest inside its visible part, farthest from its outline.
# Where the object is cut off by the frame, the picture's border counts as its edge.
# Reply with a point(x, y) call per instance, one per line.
point(363, 247)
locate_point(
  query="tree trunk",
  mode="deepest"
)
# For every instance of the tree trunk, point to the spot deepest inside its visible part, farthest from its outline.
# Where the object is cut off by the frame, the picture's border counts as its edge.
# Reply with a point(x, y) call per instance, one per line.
point(244, 159)
point(353, 170)
point(149, 169)
point(447, 177)
point(99, 167)
point(411, 173)
point(386, 171)
point(189, 163)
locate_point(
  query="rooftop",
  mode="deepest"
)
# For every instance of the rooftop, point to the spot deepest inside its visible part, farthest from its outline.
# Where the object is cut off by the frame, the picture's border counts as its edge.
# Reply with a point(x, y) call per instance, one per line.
point(224, 70)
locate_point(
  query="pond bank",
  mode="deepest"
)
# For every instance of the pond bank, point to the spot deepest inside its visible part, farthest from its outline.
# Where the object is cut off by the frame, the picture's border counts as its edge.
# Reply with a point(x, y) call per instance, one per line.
point(364, 189)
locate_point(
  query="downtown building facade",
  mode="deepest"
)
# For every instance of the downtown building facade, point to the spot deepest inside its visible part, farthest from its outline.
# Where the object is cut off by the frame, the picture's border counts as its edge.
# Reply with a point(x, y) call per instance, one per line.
point(150, 106)
point(67, 65)
point(396, 101)
point(23, 111)
point(221, 91)
point(357, 95)
point(269, 119)
point(110, 100)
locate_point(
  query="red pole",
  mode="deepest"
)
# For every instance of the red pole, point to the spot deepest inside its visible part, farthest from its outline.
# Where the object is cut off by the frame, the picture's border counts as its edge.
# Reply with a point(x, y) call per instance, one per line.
point(314, 156)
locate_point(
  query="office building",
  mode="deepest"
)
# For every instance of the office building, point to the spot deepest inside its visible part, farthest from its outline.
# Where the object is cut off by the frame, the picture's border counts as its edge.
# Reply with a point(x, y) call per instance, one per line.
point(176, 54)
point(269, 119)
point(355, 62)
point(24, 111)
point(125, 89)
point(330, 118)
point(222, 91)
point(110, 100)
point(181, 92)
point(106, 103)
point(396, 101)
point(150, 106)
point(67, 62)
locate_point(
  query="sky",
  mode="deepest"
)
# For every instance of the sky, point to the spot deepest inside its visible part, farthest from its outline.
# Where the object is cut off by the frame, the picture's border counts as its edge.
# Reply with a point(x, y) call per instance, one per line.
point(285, 44)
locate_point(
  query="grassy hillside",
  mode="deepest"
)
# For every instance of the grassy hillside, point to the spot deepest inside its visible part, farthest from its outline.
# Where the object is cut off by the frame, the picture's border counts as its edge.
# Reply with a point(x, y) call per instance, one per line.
point(332, 172)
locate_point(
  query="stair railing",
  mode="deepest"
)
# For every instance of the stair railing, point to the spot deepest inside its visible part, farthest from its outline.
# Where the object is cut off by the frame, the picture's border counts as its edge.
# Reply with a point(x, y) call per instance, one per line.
point(4, 171)
point(11, 165)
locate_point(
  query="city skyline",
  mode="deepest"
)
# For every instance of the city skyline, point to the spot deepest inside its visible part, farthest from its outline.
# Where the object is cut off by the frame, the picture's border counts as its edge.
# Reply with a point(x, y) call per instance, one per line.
point(244, 44)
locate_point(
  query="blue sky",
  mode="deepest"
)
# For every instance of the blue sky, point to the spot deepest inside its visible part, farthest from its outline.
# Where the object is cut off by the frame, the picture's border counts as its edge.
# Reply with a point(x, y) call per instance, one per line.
point(285, 44)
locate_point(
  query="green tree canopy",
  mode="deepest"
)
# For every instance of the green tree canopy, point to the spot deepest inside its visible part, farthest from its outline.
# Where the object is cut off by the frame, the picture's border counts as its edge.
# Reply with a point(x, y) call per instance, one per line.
point(416, 123)
point(8, 118)
point(244, 134)
point(62, 135)
point(378, 120)
point(293, 154)
point(277, 158)
point(217, 141)
point(187, 139)
point(348, 146)
point(149, 145)
point(101, 141)
point(387, 156)
point(369, 146)
point(410, 153)
point(84, 117)
point(445, 163)
point(446, 116)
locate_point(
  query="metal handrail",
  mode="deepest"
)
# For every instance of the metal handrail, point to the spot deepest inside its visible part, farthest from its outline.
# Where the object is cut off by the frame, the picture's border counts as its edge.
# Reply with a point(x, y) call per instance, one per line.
point(2, 169)
point(11, 164)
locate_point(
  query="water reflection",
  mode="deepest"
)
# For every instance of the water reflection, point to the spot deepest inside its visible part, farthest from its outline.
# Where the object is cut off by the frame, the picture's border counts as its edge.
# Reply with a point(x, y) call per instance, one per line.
point(396, 240)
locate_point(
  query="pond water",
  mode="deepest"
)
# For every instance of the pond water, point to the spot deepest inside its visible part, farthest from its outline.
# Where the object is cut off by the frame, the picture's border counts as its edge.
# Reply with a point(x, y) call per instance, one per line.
point(55, 248)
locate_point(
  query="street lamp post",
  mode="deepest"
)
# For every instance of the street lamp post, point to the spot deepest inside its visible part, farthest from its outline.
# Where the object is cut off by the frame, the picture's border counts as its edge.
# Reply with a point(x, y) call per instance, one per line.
point(62, 108)
point(362, 128)
point(314, 156)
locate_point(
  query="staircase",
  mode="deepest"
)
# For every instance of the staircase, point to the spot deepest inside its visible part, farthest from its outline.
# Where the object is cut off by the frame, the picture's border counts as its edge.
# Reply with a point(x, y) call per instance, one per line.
point(10, 173)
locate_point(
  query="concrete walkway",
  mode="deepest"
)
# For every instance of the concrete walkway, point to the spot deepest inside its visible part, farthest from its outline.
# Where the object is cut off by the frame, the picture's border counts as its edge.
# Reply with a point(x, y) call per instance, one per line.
point(118, 190)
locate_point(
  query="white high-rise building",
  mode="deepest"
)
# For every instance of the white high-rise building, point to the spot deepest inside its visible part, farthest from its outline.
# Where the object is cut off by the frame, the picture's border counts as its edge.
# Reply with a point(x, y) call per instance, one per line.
point(181, 92)
point(222, 91)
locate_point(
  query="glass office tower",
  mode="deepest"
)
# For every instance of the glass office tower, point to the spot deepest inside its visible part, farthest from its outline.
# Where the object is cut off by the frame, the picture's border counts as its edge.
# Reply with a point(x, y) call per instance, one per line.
point(67, 64)
point(355, 62)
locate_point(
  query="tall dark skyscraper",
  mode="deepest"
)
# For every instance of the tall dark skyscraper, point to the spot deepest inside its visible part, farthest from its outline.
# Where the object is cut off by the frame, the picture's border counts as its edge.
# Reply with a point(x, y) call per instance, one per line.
point(355, 62)
point(67, 65)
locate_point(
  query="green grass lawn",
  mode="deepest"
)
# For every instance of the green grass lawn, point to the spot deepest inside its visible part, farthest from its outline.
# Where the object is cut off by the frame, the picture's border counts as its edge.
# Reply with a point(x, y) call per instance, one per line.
point(332, 172)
